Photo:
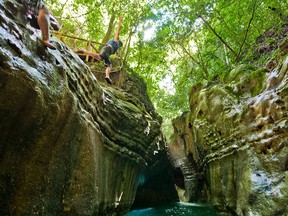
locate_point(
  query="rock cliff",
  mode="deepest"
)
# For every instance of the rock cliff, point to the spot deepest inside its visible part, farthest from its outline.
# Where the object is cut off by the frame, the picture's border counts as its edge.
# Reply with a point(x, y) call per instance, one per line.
point(69, 145)
point(231, 149)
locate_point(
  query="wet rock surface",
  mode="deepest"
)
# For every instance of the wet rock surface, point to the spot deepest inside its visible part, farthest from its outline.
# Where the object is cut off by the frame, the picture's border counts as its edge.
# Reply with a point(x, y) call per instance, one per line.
point(236, 134)
point(69, 145)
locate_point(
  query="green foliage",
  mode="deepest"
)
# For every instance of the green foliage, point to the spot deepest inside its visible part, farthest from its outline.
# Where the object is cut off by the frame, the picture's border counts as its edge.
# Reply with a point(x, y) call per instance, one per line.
point(194, 41)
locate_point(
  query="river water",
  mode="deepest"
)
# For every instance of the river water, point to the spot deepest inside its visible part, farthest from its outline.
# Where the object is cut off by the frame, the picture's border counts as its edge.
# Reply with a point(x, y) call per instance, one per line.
point(175, 209)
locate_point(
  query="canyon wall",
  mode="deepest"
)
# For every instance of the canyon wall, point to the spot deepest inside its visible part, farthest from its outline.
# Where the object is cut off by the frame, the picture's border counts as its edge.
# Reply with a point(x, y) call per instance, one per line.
point(231, 148)
point(69, 144)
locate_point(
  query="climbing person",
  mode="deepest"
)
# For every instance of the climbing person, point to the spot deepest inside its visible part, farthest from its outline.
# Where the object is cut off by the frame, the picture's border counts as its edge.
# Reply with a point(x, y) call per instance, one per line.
point(39, 10)
point(109, 49)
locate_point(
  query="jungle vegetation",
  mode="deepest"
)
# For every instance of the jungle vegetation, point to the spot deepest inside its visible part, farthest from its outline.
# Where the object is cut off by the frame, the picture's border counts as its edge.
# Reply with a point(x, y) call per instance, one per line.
point(173, 44)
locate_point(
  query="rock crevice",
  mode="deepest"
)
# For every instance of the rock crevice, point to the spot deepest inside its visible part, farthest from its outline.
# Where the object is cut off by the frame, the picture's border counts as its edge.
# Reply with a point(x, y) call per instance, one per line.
point(69, 145)
point(236, 132)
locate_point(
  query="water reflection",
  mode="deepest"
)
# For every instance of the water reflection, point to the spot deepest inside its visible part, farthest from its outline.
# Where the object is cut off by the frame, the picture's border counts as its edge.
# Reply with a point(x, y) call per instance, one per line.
point(176, 209)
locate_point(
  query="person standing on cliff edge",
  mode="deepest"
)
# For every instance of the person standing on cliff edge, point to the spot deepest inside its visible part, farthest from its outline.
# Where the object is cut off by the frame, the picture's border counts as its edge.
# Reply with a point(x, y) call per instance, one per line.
point(39, 9)
point(109, 49)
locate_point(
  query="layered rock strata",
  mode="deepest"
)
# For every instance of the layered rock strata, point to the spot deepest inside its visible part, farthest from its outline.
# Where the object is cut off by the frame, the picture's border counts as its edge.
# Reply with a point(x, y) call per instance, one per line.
point(232, 147)
point(68, 145)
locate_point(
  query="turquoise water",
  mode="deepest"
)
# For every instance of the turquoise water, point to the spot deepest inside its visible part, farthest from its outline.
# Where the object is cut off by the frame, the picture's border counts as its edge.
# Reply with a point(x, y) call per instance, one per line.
point(175, 209)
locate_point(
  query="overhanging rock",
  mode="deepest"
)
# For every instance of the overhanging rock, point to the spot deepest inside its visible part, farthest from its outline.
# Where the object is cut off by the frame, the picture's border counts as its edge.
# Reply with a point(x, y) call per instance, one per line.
point(68, 144)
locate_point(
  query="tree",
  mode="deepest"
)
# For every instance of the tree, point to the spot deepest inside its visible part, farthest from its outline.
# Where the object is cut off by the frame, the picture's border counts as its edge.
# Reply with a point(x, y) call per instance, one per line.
point(195, 41)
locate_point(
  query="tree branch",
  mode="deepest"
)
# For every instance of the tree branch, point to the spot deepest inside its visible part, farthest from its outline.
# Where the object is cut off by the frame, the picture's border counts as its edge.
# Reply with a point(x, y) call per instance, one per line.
point(248, 27)
point(219, 37)
point(195, 60)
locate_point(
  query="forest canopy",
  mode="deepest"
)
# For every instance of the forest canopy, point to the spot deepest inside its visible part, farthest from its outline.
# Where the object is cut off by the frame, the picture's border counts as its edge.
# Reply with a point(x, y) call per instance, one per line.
point(174, 44)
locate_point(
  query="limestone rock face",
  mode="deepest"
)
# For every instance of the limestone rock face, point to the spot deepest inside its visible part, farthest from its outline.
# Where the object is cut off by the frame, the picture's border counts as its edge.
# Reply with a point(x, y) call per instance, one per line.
point(68, 145)
point(232, 147)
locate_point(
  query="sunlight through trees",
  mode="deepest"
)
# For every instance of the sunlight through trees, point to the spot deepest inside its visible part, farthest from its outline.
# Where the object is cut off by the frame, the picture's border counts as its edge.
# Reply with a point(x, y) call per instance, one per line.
point(181, 41)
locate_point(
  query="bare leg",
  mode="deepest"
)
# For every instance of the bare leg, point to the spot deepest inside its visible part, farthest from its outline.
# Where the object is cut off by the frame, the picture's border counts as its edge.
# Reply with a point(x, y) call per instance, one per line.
point(94, 55)
point(44, 22)
point(107, 73)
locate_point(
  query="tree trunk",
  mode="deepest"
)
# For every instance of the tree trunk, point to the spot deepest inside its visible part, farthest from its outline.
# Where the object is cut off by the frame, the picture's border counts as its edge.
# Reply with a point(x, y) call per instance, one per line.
point(219, 37)
point(109, 31)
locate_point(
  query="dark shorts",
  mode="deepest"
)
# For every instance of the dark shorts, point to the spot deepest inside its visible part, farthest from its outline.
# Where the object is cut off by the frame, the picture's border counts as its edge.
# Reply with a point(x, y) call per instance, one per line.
point(33, 7)
point(105, 53)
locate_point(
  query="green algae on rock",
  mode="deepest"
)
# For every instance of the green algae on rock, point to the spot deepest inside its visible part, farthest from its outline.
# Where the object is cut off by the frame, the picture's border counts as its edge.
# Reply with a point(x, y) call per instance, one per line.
point(232, 146)
point(69, 144)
